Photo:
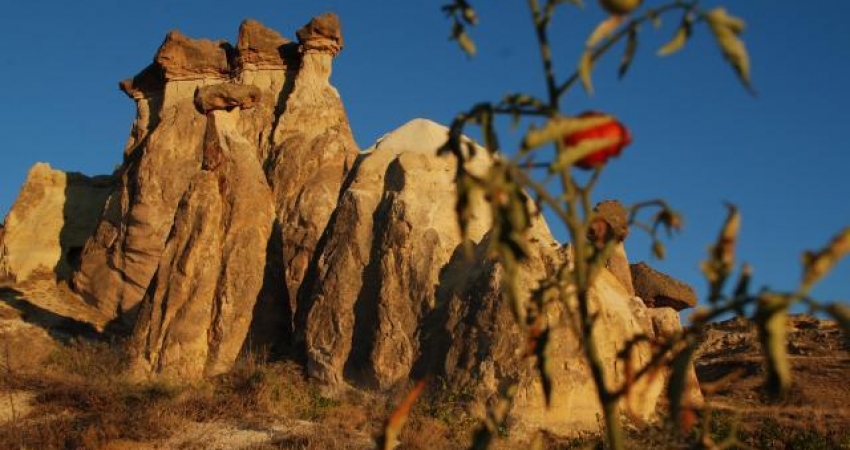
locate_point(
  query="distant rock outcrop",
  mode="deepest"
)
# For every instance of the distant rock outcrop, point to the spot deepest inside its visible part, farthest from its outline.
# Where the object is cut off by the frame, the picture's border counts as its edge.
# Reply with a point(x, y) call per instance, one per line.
point(659, 290)
point(48, 225)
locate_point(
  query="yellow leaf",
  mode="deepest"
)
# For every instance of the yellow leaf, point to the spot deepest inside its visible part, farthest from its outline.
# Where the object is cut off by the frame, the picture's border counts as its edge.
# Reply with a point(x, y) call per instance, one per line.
point(585, 68)
point(467, 44)
point(772, 321)
point(584, 148)
point(726, 30)
point(817, 264)
point(681, 366)
point(603, 30)
point(397, 419)
point(678, 41)
point(558, 127)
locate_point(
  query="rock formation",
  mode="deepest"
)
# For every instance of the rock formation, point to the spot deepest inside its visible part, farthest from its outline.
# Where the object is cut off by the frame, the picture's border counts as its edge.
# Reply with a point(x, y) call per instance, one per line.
point(48, 225)
point(162, 155)
point(480, 347)
point(659, 290)
point(198, 309)
point(244, 215)
point(380, 268)
point(313, 151)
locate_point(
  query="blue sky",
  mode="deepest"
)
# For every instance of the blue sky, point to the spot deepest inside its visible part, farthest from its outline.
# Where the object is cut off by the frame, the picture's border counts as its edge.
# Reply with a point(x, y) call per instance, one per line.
point(699, 138)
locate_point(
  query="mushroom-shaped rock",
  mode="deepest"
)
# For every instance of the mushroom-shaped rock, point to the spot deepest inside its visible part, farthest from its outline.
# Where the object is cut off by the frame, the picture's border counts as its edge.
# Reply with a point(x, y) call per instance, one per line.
point(226, 96)
point(611, 223)
point(183, 58)
point(322, 34)
point(659, 290)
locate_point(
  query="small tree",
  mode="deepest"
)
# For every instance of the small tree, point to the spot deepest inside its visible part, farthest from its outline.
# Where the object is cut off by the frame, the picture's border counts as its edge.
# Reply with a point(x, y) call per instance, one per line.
point(517, 187)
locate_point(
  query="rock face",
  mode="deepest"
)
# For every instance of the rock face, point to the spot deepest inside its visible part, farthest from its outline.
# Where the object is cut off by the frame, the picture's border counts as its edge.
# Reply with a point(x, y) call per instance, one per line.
point(54, 215)
point(162, 155)
point(380, 269)
point(483, 346)
point(198, 309)
point(394, 296)
point(659, 290)
point(210, 116)
point(313, 151)
point(305, 146)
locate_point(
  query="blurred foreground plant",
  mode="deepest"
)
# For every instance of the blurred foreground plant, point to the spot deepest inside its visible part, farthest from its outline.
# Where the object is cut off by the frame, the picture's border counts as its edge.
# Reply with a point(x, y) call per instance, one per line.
point(556, 147)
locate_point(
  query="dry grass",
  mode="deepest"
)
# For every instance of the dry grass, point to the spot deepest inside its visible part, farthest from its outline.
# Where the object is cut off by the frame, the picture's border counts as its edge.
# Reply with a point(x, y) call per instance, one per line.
point(84, 401)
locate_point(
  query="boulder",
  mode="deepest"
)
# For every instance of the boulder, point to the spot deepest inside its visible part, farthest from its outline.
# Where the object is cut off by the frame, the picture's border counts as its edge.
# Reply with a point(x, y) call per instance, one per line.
point(395, 297)
point(49, 223)
point(226, 96)
point(659, 290)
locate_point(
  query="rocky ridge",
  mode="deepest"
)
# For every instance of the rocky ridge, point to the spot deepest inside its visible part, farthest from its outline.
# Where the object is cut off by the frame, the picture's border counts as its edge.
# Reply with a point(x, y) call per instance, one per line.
point(244, 215)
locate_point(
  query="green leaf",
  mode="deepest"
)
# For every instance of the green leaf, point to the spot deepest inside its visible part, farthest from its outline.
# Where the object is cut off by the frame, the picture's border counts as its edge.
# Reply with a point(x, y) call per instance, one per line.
point(726, 29)
point(679, 39)
point(629, 54)
point(772, 322)
point(655, 18)
point(585, 68)
point(743, 285)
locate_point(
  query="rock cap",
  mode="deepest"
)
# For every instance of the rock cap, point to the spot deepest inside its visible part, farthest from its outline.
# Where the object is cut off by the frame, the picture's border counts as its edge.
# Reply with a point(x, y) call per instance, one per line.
point(262, 47)
point(323, 34)
point(184, 58)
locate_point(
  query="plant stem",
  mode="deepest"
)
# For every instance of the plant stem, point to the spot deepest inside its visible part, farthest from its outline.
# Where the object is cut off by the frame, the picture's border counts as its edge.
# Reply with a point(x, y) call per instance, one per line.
point(541, 22)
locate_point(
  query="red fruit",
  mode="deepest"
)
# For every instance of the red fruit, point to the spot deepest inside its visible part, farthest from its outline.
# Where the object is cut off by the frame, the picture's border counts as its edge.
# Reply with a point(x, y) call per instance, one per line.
point(610, 130)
